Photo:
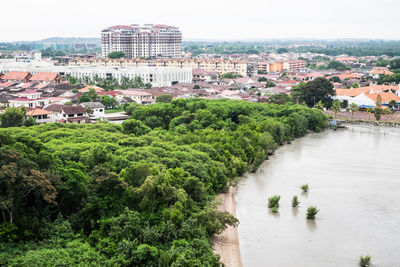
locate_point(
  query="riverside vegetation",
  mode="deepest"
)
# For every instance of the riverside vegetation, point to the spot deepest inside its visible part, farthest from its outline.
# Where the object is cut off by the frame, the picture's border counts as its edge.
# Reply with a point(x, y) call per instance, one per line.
point(273, 203)
point(134, 194)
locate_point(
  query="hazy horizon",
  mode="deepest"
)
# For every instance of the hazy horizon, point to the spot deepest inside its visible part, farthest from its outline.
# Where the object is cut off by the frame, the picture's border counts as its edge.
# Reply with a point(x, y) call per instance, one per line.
point(208, 20)
point(227, 40)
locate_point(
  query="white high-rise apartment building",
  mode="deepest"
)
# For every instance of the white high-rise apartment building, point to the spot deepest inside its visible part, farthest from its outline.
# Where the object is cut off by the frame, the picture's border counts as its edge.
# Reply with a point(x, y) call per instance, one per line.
point(148, 41)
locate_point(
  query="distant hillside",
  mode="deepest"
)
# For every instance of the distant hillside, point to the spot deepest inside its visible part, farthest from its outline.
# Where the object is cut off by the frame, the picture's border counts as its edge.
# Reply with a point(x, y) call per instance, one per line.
point(68, 40)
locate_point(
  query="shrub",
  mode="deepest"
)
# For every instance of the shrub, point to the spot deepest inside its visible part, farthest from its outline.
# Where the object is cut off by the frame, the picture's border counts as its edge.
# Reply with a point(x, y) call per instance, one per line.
point(365, 261)
point(273, 201)
point(304, 187)
point(8, 232)
point(295, 202)
point(311, 212)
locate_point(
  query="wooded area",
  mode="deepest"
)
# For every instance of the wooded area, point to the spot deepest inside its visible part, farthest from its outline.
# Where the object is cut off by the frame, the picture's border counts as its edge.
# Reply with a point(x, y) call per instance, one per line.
point(138, 193)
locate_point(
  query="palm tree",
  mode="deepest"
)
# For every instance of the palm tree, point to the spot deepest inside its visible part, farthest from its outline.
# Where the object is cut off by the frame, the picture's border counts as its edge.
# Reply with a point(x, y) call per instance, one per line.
point(369, 110)
point(353, 108)
point(335, 107)
point(319, 105)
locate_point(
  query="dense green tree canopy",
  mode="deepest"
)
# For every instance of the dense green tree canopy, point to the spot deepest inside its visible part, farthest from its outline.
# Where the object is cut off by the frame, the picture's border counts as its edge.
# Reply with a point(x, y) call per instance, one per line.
point(164, 98)
point(116, 54)
point(319, 89)
point(136, 194)
point(12, 117)
point(336, 65)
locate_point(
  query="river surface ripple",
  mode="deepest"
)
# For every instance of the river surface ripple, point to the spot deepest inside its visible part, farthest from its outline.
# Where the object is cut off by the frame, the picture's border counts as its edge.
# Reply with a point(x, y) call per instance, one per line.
point(354, 180)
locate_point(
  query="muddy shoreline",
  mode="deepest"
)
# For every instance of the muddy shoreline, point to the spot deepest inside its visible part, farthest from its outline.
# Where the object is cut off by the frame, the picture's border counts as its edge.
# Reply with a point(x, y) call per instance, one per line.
point(226, 244)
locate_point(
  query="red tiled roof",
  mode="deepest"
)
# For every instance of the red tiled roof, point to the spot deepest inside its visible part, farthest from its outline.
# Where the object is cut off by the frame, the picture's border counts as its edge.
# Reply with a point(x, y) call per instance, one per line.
point(16, 75)
point(44, 76)
point(111, 93)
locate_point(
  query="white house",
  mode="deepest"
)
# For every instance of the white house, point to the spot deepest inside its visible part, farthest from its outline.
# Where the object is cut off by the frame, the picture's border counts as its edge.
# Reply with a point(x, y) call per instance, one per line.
point(96, 107)
point(29, 99)
point(66, 113)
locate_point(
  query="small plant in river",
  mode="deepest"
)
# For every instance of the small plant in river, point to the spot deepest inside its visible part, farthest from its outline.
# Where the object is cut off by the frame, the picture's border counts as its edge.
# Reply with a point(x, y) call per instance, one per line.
point(304, 187)
point(311, 212)
point(295, 202)
point(365, 261)
point(273, 201)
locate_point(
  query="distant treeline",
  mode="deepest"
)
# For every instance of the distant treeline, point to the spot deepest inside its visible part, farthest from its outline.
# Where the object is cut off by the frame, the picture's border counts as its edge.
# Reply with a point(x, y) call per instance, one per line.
point(333, 48)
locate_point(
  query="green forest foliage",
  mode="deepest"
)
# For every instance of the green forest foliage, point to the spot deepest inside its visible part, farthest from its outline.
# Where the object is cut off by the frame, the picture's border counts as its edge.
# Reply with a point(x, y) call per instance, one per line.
point(136, 194)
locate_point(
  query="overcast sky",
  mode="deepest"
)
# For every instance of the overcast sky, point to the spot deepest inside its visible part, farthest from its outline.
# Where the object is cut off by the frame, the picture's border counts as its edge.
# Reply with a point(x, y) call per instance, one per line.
point(204, 19)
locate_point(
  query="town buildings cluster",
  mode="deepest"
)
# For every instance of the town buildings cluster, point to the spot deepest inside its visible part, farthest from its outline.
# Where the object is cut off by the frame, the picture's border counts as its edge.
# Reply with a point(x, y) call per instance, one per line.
point(154, 54)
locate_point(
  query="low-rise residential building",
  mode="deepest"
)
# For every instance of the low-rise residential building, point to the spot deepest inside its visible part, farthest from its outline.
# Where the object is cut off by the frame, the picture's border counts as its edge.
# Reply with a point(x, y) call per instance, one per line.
point(378, 71)
point(157, 76)
point(346, 76)
point(86, 89)
point(347, 59)
point(67, 113)
point(267, 67)
point(94, 109)
point(41, 115)
point(293, 65)
point(45, 77)
point(370, 99)
point(29, 99)
point(16, 76)
point(137, 95)
point(367, 96)
point(219, 66)
point(5, 99)
point(201, 75)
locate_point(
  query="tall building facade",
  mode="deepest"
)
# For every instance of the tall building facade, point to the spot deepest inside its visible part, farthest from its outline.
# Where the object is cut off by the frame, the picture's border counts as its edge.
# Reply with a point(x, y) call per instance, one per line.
point(147, 41)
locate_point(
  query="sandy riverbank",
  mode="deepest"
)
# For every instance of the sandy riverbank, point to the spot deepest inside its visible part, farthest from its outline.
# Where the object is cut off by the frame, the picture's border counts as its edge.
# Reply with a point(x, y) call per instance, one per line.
point(226, 244)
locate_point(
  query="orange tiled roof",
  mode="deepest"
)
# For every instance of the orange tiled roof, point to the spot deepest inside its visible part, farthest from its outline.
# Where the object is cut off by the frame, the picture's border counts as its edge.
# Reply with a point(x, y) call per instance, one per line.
point(386, 97)
point(381, 72)
point(86, 89)
point(38, 111)
point(16, 75)
point(44, 76)
point(346, 59)
point(374, 88)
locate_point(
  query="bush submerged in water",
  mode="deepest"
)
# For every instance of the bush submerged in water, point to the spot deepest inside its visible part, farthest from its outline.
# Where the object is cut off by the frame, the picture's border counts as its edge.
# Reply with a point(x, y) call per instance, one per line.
point(304, 187)
point(365, 261)
point(311, 212)
point(295, 202)
point(273, 202)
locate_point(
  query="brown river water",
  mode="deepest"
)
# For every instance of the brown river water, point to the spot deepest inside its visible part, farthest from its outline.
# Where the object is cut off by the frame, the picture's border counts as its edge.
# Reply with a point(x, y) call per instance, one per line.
point(354, 180)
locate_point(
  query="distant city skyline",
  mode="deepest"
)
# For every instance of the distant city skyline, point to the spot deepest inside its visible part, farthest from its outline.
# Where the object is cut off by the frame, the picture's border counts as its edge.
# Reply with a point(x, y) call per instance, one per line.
point(206, 20)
